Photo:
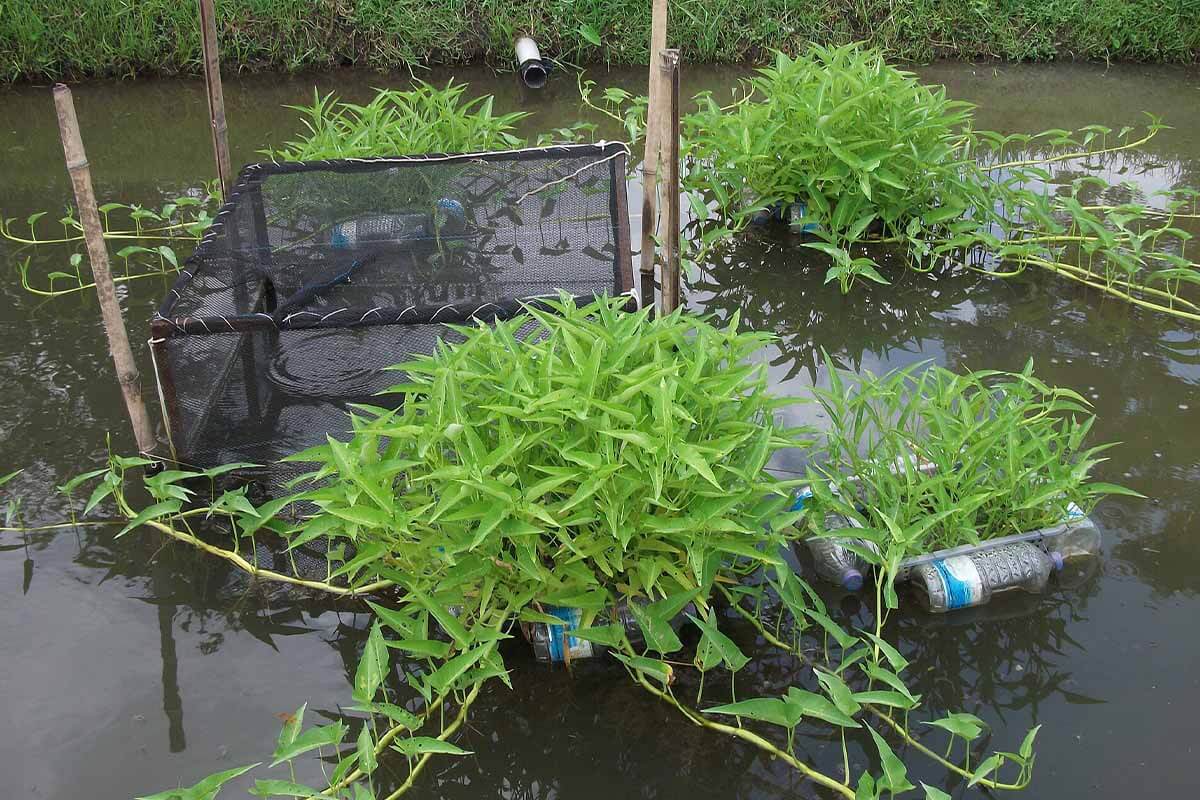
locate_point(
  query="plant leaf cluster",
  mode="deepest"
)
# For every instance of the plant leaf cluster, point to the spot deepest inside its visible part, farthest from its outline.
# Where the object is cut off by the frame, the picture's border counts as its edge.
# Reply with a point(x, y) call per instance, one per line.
point(424, 119)
point(922, 459)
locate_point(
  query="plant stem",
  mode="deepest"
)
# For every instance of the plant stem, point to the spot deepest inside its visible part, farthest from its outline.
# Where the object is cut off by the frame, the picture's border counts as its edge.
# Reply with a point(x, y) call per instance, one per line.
point(745, 735)
point(449, 731)
point(254, 571)
point(1083, 154)
point(985, 782)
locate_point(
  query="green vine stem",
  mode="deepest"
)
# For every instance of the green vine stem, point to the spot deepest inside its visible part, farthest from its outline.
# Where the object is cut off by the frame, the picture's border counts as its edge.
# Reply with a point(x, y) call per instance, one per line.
point(446, 733)
point(741, 733)
point(241, 563)
point(774, 640)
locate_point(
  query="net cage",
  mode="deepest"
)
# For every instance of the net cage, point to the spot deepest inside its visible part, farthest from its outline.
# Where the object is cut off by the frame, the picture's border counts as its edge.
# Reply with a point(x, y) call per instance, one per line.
point(317, 275)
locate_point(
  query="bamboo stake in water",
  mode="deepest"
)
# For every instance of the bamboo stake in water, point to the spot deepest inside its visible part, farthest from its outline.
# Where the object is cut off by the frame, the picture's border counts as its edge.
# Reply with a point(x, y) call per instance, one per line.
point(669, 151)
point(93, 233)
point(655, 91)
point(216, 95)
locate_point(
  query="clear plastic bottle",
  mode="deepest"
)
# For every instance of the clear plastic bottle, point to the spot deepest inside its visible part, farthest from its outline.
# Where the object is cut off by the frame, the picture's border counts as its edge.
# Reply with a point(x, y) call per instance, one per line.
point(555, 644)
point(1075, 551)
point(834, 562)
point(837, 564)
point(971, 579)
point(447, 219)
point(799, 220)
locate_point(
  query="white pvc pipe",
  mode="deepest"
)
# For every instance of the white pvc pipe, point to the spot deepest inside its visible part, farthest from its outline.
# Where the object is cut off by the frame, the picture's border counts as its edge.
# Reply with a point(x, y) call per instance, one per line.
point(529, 63)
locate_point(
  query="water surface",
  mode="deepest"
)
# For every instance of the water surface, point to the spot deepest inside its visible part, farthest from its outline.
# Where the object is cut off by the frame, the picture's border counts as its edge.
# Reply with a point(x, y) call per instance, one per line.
point(131, 666)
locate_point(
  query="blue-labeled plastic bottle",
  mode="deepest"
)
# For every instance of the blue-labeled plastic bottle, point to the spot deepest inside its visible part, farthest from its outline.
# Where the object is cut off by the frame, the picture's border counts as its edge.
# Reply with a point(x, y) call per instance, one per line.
point(555, 644)
point(447, 219)
point(972, 579)
point(799, 220)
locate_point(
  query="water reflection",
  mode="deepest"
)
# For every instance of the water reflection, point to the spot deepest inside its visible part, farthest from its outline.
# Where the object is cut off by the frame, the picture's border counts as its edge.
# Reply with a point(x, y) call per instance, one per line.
point(777, 285)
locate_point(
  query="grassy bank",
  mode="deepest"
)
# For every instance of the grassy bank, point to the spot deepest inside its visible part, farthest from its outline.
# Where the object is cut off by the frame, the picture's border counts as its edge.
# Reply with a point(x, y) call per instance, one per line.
point(42, 39)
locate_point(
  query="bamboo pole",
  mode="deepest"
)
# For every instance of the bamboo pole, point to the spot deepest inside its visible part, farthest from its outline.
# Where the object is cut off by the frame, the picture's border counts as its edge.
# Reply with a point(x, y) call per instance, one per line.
point(93, 233)
point(669, 150)
point(216, 95)
point(658, 42)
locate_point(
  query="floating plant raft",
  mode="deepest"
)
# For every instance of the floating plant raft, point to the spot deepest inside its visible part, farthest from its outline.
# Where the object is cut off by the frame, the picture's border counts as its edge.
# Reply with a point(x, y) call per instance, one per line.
point(963, 576)
point(317, 275)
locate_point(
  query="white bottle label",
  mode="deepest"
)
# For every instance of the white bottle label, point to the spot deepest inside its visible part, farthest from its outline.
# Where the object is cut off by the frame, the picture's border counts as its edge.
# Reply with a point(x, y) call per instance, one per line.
point(961, 580)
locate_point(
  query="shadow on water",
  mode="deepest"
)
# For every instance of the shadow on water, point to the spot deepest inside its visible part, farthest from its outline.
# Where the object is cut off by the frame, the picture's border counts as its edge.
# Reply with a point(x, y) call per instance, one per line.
point(131, 666)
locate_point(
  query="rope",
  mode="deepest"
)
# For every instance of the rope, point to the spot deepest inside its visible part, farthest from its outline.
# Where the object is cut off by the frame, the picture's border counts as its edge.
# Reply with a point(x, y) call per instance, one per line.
point(162, 399)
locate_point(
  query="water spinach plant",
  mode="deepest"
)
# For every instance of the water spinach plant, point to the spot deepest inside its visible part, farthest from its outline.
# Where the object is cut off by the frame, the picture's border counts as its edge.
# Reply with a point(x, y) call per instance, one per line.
point(855, 152)
point(606, 460)
point(148, 237)
point(922, 459)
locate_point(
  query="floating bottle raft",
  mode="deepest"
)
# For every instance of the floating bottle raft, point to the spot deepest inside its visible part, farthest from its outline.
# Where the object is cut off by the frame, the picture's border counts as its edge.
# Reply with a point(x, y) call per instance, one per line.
point(555, 644)
point(968, 575)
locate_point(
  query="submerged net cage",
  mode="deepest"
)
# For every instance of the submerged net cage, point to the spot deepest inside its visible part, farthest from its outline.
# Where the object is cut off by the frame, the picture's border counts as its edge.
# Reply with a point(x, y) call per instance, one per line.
point(316, 275)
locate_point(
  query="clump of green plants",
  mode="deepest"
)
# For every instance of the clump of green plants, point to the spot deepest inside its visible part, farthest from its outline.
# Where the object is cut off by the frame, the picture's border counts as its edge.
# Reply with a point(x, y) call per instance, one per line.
point(424, 119)
point(862, 146)
point(922, 459)
point(605, 460)
point(859, 155)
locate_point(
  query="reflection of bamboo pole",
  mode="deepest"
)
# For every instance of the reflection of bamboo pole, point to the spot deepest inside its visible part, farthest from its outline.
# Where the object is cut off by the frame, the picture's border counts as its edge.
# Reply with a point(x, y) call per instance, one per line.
point(216, 95)
point(172, 702)
point(669, 150)
point(110, 309)
point(658, 42)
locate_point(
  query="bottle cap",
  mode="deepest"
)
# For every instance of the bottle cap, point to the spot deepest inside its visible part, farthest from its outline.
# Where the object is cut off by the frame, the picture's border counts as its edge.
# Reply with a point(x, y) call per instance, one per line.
point(852, 580)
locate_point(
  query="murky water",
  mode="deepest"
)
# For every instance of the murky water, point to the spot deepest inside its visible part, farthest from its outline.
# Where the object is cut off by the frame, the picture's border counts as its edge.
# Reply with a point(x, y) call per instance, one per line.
point(127, 666)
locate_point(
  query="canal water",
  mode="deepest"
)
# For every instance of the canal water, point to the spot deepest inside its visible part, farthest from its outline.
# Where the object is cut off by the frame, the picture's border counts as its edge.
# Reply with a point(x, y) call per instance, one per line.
point(131, 666)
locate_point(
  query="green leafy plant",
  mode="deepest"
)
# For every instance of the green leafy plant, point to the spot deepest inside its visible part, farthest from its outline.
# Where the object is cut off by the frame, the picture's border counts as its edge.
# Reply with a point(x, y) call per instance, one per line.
point(424, 119)
point(863, 158)
point(149, 238)
point(604, 459)
point(861, 144)
point(924, 459)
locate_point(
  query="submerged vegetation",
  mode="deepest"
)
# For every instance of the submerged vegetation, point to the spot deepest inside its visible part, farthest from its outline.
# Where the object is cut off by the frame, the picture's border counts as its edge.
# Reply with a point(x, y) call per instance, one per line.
point(610, 462)
point(41, 39)
point(922, 459)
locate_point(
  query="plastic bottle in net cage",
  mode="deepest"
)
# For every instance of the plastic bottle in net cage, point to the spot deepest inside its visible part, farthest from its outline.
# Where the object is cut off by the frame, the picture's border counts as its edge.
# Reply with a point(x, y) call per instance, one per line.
point(971, 579)
point(447, 219)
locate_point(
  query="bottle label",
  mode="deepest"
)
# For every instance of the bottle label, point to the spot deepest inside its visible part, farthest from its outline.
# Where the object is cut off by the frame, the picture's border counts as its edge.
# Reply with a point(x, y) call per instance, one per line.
point(962, 581)
point(557, 635)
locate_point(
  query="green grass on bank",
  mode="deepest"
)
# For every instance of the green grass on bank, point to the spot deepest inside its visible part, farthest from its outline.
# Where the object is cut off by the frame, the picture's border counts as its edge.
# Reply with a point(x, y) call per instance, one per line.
point(42, 39)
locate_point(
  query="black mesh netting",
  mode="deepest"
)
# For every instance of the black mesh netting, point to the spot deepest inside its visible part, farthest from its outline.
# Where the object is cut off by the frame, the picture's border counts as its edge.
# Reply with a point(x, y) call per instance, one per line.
point(315, 276)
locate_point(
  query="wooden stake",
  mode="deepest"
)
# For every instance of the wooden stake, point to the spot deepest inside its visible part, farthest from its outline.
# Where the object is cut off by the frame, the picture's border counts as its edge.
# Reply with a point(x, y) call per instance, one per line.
point(658, 42)
point(216, 95)
point(93, 233)
point(669, 150)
